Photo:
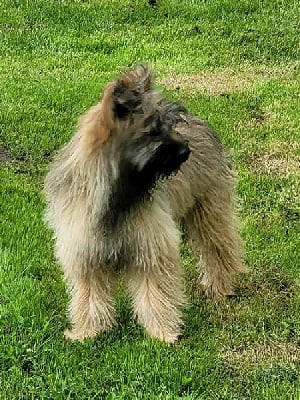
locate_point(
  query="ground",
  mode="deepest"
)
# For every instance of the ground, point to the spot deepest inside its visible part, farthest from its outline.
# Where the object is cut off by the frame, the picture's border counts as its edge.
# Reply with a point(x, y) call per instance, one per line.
point(235, 64)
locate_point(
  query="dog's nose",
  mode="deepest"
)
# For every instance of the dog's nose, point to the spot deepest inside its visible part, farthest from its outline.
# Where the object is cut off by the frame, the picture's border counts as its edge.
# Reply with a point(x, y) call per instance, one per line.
point(184, 152)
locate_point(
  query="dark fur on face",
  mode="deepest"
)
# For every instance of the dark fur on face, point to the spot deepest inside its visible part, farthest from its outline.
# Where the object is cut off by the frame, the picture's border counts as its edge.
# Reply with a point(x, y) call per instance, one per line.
point(152, 149)
point(155, 151)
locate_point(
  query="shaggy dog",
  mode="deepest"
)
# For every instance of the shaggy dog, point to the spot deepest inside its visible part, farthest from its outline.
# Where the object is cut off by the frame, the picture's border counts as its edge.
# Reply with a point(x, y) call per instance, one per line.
point(138, 168)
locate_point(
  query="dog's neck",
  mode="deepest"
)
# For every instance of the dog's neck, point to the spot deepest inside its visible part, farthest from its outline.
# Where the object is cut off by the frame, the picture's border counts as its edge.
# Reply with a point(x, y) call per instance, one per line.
point(129, 190)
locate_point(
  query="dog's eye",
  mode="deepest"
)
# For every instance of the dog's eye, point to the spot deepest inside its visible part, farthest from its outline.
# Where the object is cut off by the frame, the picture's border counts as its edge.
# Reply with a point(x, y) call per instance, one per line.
point(154, 132)
point(121, 110)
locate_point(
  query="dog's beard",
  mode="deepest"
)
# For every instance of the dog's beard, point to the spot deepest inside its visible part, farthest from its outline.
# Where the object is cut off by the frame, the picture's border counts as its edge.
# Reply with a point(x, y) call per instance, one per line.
point(165, 161)
point(138, 175)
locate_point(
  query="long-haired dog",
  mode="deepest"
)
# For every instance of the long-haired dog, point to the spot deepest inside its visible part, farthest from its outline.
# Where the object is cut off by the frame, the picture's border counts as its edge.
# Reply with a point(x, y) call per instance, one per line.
point(138, 168)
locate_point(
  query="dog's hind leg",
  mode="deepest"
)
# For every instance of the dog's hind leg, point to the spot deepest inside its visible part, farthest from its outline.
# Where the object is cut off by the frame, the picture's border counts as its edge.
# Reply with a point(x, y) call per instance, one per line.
point(213, 232)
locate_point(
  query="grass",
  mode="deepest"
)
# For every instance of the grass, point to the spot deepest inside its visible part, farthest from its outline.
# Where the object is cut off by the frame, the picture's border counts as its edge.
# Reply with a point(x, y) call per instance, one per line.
point(237, 65)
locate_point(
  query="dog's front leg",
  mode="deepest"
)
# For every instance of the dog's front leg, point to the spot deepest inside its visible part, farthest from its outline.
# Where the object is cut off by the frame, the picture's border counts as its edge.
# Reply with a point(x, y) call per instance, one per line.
point(91, 308)
point(157, 299)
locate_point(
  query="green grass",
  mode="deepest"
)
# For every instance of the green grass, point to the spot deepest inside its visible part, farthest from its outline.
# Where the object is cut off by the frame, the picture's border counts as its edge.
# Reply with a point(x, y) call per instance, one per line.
point(56, 56)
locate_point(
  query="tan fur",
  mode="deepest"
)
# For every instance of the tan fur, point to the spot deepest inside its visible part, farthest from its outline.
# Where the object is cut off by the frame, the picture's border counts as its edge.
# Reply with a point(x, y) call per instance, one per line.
point(200, 196)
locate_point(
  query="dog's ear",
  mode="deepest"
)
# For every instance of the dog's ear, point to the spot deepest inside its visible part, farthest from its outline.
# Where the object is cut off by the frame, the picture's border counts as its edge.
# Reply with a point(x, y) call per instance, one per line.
point(139, 78)
point(143, 76)
point(97, 123)
point(129, 89)
point(125, 100)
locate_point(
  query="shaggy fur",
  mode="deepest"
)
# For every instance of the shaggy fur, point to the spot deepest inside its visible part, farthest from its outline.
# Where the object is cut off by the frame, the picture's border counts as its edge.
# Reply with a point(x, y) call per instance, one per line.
point(137, 168)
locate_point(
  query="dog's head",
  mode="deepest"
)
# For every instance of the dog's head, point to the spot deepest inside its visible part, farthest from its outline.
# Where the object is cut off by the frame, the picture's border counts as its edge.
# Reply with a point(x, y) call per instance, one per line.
point(149, 145)
point(135, 128)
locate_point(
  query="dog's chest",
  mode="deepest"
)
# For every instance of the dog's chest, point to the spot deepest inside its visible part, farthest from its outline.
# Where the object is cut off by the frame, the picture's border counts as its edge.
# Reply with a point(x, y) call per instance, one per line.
point(114, 248)
point(126, 242)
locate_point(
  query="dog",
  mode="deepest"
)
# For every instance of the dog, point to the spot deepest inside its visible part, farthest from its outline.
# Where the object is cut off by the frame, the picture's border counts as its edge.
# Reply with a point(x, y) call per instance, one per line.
point(138, 169)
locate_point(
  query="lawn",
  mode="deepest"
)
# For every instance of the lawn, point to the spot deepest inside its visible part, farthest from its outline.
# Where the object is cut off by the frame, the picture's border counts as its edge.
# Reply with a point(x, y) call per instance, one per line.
point(235, 64)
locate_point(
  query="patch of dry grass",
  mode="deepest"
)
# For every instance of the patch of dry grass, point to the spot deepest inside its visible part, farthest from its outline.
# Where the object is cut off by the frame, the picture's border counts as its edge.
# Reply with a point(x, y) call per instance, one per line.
point(251, 355)
point(280, 158)
point(227, 80)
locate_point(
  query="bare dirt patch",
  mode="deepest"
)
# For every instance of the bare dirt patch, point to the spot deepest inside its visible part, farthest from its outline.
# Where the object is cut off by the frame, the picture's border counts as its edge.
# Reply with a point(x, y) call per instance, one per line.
point(280, 159)
point(224, 81)
point(5, 157)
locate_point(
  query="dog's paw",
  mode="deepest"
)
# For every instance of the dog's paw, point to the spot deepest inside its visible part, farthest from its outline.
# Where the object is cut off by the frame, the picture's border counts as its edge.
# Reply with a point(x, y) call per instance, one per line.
point(167, 337)
point(215, 291)
point(77, 334)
